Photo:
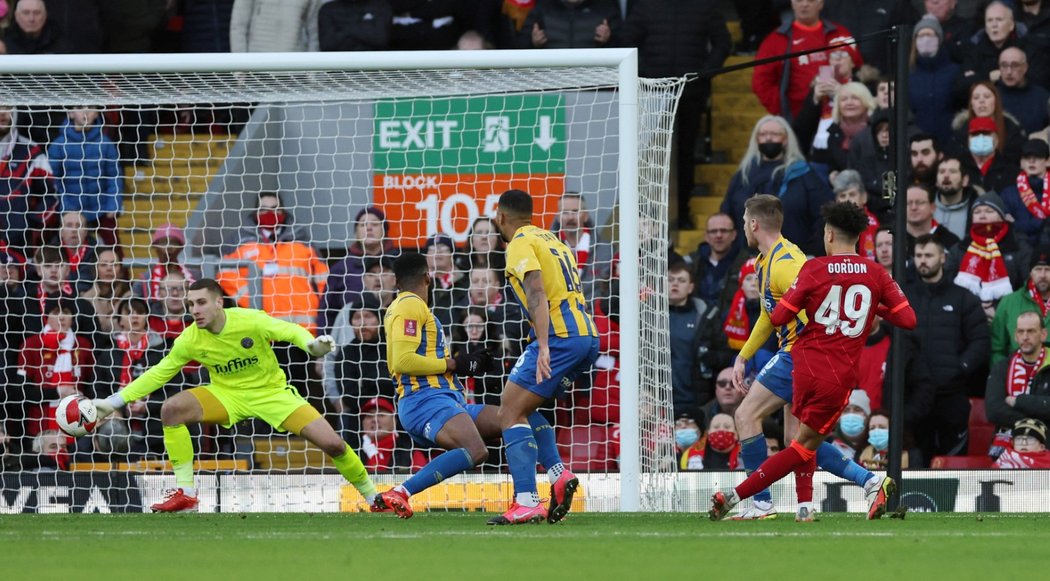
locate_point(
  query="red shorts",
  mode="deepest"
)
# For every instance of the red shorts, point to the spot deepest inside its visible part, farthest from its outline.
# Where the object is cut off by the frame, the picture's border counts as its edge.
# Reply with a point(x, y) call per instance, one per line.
point(817, 402)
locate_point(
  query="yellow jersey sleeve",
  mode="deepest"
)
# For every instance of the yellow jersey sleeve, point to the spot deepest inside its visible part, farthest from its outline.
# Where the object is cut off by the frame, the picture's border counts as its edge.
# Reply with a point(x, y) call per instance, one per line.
point(155, 377)
point(404, 325)
point(278, 330)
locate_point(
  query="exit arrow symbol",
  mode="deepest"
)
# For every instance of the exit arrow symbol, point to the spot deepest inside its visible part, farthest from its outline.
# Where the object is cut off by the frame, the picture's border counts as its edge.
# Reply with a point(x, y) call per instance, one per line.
point(545, 140)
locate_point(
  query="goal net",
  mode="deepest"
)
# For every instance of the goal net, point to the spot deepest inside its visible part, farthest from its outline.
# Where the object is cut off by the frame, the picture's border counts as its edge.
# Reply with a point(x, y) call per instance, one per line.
point(295, 180)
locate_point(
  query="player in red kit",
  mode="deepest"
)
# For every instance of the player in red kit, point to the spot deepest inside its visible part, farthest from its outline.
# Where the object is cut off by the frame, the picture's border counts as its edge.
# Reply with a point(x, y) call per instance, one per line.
point(842, 292)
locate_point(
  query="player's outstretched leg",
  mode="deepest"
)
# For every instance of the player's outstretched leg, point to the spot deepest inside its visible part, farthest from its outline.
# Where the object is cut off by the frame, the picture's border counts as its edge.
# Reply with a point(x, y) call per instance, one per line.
point(175, 413)
point(772, 470)
point(563, 482)
point(308, 423)
point(465, 450)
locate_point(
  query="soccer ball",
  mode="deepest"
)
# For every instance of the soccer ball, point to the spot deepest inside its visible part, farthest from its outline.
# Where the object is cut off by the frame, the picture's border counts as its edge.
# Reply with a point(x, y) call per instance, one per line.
point(76, 415)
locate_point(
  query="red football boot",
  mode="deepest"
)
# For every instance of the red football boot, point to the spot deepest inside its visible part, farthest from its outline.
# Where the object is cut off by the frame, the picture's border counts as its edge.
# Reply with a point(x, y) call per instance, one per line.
point(175, 500)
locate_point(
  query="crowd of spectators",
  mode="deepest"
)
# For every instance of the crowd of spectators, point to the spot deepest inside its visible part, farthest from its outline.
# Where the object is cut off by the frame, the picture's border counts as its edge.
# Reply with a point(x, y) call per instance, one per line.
point(977, 265)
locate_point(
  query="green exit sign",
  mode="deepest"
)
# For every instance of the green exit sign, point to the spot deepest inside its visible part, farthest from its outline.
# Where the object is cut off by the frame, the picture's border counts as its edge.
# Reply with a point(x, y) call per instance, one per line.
point(515, 134)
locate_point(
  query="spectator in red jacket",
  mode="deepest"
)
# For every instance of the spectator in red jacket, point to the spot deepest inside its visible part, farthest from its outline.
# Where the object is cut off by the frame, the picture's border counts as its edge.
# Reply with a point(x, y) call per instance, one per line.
point(55, 363)
point(383, 448)
point(782, 86)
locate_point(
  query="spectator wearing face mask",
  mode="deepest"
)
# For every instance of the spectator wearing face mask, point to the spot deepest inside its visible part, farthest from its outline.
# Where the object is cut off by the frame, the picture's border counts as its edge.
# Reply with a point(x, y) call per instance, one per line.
point(687, 442)
point(875, 456)
point(852, 430)
point(932, 83)
point(721, 446)
point(293, 281)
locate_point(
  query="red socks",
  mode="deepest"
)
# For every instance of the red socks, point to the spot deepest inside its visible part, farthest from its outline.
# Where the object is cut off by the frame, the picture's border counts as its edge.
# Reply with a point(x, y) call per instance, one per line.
point(778, 466)
point(804, 480)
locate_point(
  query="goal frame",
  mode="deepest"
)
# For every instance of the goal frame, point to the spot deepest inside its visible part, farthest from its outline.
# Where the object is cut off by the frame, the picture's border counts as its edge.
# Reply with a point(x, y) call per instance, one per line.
point(624, 59)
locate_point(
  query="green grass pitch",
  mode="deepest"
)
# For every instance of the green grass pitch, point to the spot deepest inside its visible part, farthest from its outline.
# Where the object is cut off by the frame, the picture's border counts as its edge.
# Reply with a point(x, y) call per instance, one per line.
point(586, 547)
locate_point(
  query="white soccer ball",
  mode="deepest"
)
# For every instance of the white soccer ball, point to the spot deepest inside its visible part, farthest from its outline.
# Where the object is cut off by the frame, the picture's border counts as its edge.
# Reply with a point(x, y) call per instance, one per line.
point(76, 415)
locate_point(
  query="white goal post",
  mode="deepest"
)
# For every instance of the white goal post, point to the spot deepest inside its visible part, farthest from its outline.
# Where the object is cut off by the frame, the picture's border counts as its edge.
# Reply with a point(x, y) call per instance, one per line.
point(605, 132)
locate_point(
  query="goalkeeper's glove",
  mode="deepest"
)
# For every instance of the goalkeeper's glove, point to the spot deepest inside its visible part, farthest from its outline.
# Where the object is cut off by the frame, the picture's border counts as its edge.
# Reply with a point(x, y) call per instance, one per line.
point(106, 407)
point(320, 346)
point(473, 364)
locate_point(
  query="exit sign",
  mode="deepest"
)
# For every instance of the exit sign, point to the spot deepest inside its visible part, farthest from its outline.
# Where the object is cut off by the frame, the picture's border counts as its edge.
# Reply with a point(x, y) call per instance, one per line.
point(515, 134)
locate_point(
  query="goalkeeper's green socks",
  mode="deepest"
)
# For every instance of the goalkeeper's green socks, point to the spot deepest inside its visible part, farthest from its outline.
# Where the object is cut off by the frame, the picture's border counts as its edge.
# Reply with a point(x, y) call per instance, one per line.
point(349, 465)
point(179, 446)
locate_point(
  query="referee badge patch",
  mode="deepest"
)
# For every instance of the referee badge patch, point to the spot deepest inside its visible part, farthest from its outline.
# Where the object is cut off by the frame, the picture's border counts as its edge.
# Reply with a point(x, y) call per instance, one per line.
point(410, 328)
point(247, 343)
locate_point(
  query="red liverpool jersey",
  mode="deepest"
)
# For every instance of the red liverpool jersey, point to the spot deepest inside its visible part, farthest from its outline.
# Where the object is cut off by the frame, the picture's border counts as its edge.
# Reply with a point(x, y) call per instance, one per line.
point(841, 294)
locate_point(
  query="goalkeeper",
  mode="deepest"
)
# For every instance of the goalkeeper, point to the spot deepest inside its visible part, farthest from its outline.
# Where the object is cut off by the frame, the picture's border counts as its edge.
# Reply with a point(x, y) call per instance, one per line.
point(431, 405)
point(235, 346)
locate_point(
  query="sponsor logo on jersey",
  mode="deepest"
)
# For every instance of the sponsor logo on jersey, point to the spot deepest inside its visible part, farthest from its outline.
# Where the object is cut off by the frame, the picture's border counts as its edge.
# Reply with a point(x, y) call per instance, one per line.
point(236, 365)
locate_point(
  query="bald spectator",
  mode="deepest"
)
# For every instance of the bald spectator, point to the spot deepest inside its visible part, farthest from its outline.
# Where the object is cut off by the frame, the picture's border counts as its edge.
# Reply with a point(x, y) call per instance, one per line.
point(981, 53)
point(782, 87)
point(32, 32)
point(1024, 100)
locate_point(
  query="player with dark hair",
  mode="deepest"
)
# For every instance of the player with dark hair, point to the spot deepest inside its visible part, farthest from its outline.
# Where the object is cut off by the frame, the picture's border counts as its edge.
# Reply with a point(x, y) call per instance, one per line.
point(543, 273)
point(843, 292)
point(247, 382)
point(431, 405)
point(778, 264)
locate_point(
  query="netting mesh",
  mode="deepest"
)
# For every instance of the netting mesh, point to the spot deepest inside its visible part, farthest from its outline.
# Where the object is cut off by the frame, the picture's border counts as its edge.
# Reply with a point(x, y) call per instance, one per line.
point(296, 190)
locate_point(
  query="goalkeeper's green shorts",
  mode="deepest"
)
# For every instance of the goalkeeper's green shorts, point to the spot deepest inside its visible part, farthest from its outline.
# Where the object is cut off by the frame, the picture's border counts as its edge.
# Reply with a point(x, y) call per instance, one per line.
point(283, 409)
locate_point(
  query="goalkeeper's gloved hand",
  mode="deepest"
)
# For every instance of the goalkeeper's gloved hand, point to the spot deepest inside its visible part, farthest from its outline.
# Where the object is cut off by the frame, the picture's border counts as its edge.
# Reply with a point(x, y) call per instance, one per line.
point(103, 407)
point(321, 346)
point(473, 364)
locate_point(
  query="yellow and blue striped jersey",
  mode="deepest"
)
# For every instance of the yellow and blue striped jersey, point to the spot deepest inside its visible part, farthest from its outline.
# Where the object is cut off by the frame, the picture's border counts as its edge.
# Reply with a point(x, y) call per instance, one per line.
point(240, 356)
point(416, 348)
point(534, 248)
point(776, 270)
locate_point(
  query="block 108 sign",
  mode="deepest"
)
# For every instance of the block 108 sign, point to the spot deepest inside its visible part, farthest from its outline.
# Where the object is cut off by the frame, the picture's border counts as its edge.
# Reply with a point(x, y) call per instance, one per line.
point(418, 207)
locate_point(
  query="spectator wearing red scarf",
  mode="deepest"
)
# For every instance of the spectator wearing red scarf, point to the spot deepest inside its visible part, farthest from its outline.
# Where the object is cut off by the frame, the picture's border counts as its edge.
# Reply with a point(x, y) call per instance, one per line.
point(56, 363)
point(990, 260)
point(1028, 200)
point(1017, 386)
point(383, 448)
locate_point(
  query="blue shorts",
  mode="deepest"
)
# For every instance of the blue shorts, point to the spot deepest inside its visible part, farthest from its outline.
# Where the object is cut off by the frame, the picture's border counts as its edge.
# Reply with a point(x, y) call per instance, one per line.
point(424, 413)
point(570, 357)
point(776, 375)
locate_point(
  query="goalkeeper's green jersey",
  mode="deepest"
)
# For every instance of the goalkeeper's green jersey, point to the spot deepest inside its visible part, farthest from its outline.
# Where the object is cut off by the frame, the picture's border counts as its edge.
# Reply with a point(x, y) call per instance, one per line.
point(239, 357)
